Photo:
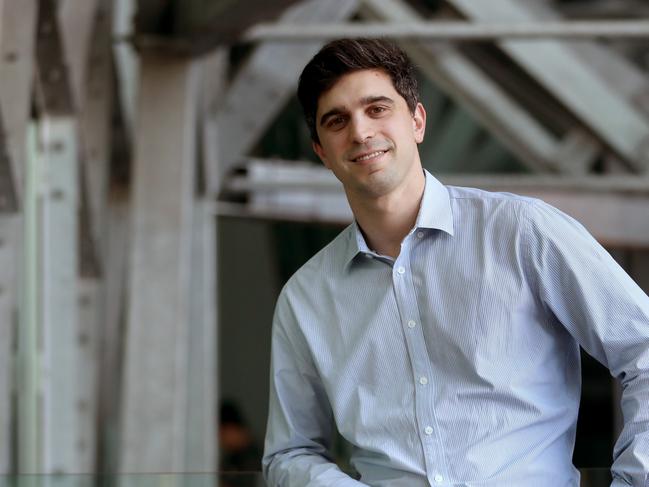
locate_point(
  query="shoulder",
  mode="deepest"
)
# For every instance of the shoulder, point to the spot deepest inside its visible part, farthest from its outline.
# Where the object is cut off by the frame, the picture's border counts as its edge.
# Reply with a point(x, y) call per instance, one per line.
point(507, 210)
point(530, 211)
point(459, 194)
point(326, 265)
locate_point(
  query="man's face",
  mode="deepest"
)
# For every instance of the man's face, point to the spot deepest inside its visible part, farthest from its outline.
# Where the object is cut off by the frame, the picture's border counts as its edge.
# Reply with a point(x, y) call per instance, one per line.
point(368, 136)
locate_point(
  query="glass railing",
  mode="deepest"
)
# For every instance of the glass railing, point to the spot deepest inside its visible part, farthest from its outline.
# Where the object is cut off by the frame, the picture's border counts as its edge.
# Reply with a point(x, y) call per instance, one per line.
point(590, 477)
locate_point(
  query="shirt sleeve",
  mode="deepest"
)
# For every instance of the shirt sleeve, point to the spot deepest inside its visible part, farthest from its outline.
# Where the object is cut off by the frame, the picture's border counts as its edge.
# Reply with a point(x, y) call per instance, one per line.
point(606, 312)
point(300, 422)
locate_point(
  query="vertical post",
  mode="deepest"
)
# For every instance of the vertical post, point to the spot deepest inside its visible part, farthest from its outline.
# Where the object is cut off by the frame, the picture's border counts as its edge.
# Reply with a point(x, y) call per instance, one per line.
point(17, 27)
point(155, 390)
point(61, 341)
point(8, 250)
point(111, 349)
point(17, 39)
point(202, 446)
point(76, 18)
point(59, 406)
point(95, 105)
point(28, 359)
point(200, 452)
point(126, 63)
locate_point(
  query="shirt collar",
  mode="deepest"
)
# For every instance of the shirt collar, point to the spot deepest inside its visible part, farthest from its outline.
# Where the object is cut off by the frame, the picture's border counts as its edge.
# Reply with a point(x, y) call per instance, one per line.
point(434, 212)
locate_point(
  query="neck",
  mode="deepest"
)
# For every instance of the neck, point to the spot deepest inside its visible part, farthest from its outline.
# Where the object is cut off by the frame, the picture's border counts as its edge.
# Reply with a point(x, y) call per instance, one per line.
point(386, 220)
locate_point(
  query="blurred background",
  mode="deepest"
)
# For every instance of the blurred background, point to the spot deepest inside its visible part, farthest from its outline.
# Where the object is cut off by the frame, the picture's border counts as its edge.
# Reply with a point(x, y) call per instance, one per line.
point(157, 188)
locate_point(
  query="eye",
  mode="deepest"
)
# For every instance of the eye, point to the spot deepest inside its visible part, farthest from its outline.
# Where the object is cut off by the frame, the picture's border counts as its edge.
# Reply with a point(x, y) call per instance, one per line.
point(377, 109)
point(335, 122)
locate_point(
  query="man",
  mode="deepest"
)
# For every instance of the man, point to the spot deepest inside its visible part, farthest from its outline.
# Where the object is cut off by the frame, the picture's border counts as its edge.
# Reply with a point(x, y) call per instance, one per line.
point(440, 332)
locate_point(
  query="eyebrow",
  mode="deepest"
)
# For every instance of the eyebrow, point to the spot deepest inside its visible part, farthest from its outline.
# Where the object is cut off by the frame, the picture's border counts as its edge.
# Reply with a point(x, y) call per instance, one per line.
point(368, 100)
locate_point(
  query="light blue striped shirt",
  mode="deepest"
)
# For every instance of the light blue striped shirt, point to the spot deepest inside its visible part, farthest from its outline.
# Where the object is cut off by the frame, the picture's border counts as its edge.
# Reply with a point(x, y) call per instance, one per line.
point(457, 364)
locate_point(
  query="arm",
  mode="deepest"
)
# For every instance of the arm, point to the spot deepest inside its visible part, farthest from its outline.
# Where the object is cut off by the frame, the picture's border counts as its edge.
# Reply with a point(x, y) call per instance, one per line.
point(607, 313)
point(300, 422)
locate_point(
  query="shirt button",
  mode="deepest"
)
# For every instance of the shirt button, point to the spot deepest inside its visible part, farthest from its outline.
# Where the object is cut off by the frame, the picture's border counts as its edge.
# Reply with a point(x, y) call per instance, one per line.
point(401, 270)
point(428, 430)
point(423, 381)
point(411, 324)
point(420, 234)
point(439, 479)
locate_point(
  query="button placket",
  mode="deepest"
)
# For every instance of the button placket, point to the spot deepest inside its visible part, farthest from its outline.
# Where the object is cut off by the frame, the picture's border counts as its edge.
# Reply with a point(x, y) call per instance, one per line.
point(406, 297)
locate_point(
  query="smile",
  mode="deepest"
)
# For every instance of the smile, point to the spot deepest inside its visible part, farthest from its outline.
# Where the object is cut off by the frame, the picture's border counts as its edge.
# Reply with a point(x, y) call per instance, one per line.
point(369, 156)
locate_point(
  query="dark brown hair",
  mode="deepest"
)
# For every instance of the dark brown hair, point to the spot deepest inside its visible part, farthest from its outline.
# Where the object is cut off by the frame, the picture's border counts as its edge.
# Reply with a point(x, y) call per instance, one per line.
point(343, 56)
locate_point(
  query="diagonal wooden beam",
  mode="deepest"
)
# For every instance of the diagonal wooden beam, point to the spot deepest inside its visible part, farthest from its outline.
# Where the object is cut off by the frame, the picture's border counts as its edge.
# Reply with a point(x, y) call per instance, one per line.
point(126, 64)
point(17, 28)
point(76, 21)
point(8, 199)
point(264, 85)
point(618, 123)
point(446, 67)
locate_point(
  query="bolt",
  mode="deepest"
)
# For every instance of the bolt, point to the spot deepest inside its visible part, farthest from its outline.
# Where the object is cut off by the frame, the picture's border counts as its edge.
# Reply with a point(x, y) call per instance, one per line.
point(46, 28)
point(84, 300)
point(54, 75)
point(57, 194)
point(83, 338)
point(11, 57)
point(57, 146)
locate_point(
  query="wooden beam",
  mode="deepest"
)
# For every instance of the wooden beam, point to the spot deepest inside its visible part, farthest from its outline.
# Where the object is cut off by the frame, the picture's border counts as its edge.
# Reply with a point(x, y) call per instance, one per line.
point(202, 411)
point(9, 244)
point(213, 80)
point(612, 208)
point(17, 39)
point(207, 24)
point(29, 451)
point(53, 90)
point(577, 152)
point(126, 63)
point(618, 123)
point(76, 20)
point(62, 402)
point(155, 389)
point(95, 121)
point(264, 85)
point(8, 199)
point(447, 68)
point(452, 30)
point(62, 390)
point(111, 339)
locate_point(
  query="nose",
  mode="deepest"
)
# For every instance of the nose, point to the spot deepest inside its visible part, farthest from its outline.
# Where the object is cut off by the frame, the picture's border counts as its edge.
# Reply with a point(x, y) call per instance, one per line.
point(361, 129)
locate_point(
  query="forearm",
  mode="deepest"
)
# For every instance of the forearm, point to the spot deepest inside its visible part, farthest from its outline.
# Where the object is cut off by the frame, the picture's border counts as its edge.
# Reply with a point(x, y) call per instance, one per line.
point(303, 468)
point(631, 465)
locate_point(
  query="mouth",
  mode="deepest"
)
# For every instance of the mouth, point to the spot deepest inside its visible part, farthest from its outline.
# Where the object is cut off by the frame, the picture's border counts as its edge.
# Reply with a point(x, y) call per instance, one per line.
point(369, 156)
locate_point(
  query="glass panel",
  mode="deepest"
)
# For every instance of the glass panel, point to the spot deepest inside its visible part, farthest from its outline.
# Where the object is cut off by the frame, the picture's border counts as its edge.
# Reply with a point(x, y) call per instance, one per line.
point(590, 477)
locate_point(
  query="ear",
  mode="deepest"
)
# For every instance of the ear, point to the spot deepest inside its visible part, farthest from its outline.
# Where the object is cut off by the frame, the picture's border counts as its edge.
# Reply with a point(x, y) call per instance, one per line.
point(419, 123)
point(317, 148)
